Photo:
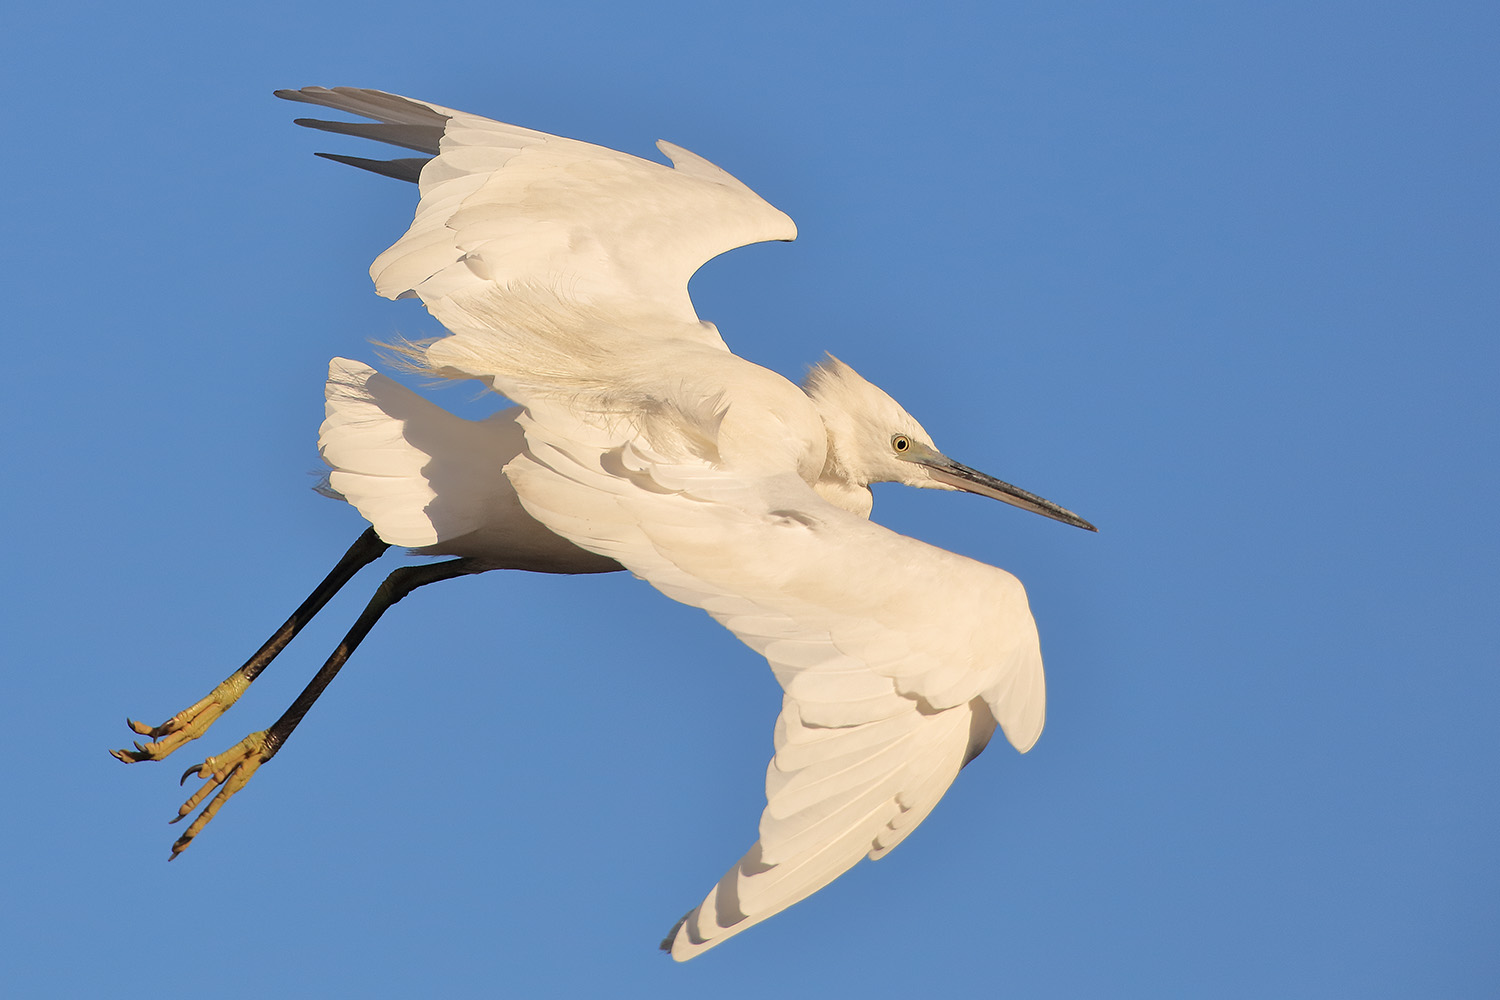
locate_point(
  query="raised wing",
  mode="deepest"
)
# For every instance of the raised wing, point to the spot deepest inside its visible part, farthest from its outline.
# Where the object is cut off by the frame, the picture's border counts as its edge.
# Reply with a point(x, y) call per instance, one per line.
point(506, 209)
point(897, 658)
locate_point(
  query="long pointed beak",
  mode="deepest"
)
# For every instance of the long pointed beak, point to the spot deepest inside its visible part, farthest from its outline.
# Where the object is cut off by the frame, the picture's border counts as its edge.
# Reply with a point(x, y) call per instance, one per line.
point(961, 477)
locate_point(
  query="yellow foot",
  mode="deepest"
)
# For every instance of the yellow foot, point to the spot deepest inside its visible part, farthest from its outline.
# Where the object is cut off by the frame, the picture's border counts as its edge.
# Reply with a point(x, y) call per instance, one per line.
point(189, 724)
point(228, 772)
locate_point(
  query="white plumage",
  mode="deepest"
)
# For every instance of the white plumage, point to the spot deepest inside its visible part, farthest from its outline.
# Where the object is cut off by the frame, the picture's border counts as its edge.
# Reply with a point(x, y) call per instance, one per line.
point(561, 270)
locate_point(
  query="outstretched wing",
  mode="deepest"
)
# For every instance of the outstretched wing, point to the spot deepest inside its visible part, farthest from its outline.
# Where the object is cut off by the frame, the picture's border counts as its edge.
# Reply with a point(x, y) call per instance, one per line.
point(508, 208)
point(897, 658)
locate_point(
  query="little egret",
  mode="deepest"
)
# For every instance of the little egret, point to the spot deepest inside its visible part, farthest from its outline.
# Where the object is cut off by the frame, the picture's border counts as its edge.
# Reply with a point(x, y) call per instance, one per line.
point(640, 442)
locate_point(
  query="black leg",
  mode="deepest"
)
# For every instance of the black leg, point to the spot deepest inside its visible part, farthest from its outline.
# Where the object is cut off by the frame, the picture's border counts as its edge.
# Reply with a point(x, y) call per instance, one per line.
point(230, 771)
point(191, 722)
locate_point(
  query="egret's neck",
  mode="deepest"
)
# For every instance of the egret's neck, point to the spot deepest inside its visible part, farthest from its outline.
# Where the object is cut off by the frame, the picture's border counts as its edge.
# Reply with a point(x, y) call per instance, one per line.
point(841, 492)
point(838, 483)
point(839, 486)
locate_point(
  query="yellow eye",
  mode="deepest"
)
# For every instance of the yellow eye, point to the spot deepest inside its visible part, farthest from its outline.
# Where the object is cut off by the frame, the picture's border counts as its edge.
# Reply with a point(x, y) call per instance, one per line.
point(901, 443)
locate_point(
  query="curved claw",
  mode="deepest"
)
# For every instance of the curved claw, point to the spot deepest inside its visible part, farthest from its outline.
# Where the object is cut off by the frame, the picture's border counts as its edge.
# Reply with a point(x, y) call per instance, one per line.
point(137, 755)
point(154, 750)
point(188, 774)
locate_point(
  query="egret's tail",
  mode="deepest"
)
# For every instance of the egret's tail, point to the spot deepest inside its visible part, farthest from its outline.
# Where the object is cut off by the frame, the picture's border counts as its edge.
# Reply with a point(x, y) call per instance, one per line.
point(419, 474)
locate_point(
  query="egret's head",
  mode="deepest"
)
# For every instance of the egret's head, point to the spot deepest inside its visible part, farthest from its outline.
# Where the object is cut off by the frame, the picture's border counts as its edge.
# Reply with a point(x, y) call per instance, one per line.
point(869, 435)
point(871, 439)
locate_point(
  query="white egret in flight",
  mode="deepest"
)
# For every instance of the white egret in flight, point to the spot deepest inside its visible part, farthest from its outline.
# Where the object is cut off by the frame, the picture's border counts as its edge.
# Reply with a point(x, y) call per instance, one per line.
point(560, 270)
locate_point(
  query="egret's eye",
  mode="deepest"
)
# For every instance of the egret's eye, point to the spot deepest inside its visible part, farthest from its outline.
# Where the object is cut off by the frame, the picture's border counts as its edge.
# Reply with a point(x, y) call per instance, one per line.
point(901, 443)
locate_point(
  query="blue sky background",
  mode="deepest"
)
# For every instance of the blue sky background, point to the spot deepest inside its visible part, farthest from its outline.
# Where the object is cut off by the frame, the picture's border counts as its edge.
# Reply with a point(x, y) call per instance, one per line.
point(1220, 277)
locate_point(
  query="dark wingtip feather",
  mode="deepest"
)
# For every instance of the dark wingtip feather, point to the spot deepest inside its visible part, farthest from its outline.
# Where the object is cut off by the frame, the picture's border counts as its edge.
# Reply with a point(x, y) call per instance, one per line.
point(666, 942)
point(409, 169)
point(422, 138)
